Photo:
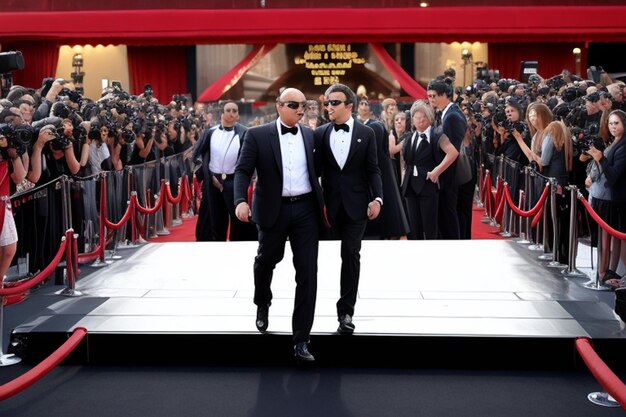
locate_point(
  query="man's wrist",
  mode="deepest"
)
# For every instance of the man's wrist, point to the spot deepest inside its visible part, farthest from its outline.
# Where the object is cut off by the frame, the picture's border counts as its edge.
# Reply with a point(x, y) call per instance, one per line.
point(379, 200)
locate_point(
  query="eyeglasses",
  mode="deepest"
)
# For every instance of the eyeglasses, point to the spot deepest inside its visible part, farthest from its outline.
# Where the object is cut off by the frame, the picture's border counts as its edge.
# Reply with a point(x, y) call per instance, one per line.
point(293, 105)
point(333, 103)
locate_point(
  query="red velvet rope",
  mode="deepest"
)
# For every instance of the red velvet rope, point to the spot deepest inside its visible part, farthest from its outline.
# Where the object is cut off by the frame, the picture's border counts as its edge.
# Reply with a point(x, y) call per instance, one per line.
point(488, 197)
point(615, 233)
point(152, 210)
point(45, 273)
point(123, 220)
point(35, 374)
point(89, 256)
point(603, 374)
point(170, 197)
point(530, 212)
point(500, 210)
point(537, 218)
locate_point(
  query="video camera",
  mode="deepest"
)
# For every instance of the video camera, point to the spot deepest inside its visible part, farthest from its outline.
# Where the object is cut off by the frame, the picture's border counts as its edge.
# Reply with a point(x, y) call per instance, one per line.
point(582, 139)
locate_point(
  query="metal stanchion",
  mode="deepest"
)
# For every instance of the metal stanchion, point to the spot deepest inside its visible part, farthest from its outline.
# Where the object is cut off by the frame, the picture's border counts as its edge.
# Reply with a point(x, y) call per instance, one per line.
point(506, 217)
point(571, 271)
point(524, 228)
point(547, 255)
point(603, 399)
point(594, 283)
point(555, 227)
point(72, 269)
point(5, 358)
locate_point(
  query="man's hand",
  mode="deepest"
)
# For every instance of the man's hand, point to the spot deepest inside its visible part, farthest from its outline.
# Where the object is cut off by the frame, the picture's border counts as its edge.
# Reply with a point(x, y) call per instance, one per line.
point(243, 213)
point(373, 209)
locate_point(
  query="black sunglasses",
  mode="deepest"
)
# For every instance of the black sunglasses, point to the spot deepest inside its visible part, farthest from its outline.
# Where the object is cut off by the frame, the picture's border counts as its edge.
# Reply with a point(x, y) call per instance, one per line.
point(333, 103)
point(293, 105)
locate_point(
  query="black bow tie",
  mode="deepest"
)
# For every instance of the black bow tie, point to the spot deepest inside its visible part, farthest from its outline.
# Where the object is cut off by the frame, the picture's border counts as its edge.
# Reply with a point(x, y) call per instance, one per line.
point(227, 128)
point(284, 130)
point(342, 126)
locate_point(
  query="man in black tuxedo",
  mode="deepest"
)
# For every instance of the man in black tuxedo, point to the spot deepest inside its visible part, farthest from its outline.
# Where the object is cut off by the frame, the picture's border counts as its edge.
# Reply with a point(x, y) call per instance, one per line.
point(287, 203)
point(352, 186)
point(218, 149)
point(453, 125)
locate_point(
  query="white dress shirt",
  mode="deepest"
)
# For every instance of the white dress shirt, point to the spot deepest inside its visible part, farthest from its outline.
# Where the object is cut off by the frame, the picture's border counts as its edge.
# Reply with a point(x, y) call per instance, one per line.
point(295, 170)
point(340, 143)
point(224, 151)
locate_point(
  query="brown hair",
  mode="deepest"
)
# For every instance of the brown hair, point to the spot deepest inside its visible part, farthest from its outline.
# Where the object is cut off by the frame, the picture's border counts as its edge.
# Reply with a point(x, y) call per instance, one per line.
point(544, 117)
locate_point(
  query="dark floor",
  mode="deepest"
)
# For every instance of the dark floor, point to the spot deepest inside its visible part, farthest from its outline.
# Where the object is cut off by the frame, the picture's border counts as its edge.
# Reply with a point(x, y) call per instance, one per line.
point(152, 390)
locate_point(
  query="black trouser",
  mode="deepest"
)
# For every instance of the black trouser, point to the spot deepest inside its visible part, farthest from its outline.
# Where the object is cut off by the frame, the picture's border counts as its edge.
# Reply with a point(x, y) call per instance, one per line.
point(351, 234)
point(422, 212)
point(298, 221)
point(222, 207)
point(448, 218)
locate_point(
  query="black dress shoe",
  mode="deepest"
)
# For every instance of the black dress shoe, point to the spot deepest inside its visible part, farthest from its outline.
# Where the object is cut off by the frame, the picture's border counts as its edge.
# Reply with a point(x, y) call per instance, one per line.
point(345, 324)
point(261, 318)
point(302, 354)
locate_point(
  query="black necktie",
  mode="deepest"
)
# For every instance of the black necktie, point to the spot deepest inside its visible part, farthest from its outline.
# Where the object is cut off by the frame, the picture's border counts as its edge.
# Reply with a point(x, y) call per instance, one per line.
point(227, 128)
point(424, 138)
point(284, 130)
point(342, 126)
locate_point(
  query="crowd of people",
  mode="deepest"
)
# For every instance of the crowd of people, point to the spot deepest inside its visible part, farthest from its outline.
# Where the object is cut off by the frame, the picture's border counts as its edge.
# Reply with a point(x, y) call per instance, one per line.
point(333, 169)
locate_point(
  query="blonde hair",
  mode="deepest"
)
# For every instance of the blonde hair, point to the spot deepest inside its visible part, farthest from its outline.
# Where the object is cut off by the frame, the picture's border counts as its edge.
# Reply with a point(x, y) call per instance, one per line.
point(424, 107)
point(561, 139)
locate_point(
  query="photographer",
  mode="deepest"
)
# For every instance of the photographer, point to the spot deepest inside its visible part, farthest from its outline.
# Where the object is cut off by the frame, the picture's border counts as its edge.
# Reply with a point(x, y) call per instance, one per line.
point(504, 126)
point(609, 198)
point(12, 172)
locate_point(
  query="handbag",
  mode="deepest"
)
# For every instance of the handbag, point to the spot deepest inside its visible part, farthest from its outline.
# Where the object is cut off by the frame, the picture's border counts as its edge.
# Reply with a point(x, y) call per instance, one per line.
point(463, 167)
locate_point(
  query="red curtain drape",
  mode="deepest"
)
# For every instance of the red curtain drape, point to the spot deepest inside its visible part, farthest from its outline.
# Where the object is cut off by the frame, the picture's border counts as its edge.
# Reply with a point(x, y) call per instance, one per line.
point(40, 61)
point(552, 58)
point(226, 81)
point(164, 67)
point(407, 83)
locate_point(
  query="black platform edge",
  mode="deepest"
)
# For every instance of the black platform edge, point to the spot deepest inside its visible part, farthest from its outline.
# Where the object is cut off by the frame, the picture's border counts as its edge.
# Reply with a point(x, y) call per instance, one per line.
point(330, 350)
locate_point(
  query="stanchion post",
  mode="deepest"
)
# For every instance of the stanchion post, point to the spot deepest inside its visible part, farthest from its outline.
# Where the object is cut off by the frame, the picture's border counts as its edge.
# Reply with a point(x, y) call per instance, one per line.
point(594, 283)
point(547, 255)
point(71, 240)
point(571, 271)
point(506, 216)
point(555, 226)
point(100, 261)
point(6, 359)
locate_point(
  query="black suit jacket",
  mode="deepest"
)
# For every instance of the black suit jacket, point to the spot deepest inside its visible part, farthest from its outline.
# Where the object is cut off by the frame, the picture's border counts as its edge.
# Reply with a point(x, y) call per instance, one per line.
point(424, 159)
point(453, 125)
point(261, 152)
point(359, 182)
point(202, 151)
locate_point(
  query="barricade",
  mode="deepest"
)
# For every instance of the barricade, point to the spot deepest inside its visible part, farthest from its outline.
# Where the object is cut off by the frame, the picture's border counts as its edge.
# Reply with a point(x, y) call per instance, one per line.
point(46, 212)
point(594, 284)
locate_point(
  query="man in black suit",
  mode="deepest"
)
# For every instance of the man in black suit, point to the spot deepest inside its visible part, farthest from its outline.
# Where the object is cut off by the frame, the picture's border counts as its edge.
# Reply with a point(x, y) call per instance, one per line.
point(287, 203)
point(453, 125)
point(218, 149)
point(352, 188)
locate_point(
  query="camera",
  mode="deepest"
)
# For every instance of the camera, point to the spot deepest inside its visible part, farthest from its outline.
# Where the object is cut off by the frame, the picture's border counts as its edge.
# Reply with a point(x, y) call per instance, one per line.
point(582, 139)
point(60, 141)
point(19, 137)
point(127, 136)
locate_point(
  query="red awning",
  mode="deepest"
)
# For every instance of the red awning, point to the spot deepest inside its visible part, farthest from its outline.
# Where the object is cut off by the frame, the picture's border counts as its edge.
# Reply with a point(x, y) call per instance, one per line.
point(342, 25)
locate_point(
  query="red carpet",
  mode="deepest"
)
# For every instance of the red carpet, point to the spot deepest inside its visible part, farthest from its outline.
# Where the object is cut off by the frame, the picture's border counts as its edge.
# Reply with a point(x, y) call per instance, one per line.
point(185, 232)
point(482, 230)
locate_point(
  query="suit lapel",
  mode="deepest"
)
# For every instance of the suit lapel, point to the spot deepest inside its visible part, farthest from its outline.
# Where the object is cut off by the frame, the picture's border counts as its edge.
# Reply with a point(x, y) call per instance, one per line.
point(329, 149)
point(275, 144)
point(354, 141)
